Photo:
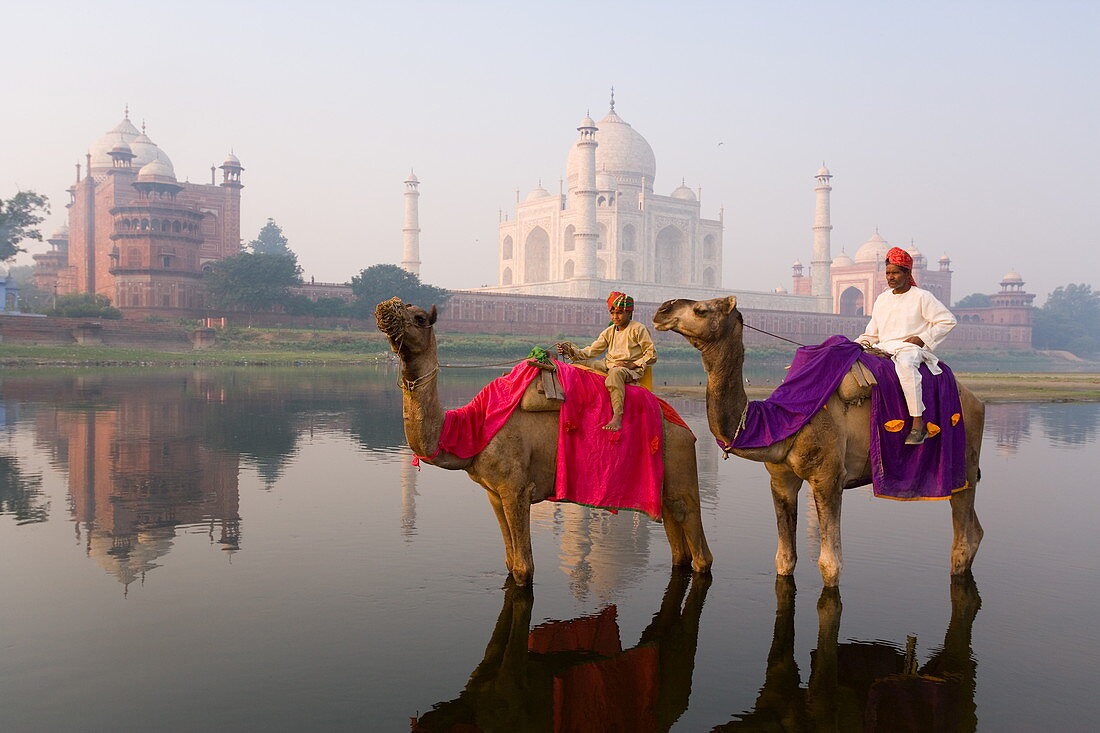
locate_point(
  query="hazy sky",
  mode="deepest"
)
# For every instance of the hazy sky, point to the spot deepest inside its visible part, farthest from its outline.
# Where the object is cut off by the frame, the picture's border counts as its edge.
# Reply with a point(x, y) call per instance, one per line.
point(969, 127)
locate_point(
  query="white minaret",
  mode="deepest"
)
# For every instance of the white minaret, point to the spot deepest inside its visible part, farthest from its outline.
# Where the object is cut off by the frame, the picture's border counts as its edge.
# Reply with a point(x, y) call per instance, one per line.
point(585, 198)
point(823, 259)
point(410, 256)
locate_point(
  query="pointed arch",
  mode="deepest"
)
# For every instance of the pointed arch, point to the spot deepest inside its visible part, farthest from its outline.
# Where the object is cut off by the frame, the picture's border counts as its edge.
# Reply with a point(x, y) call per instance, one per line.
point(669, 256)
point(536, 256)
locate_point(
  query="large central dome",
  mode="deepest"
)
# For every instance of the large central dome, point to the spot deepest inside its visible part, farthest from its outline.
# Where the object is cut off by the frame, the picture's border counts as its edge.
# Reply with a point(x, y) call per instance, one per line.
point(145, 150)
point(621, 153)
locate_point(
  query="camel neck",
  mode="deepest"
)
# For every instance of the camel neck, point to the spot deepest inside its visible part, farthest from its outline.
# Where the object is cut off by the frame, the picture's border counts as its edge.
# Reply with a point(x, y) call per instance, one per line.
point(724, 361)
point(420, 407)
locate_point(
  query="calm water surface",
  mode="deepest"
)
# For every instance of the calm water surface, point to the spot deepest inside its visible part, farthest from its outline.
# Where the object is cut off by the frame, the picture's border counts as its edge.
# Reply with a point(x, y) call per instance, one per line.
point(250, 549)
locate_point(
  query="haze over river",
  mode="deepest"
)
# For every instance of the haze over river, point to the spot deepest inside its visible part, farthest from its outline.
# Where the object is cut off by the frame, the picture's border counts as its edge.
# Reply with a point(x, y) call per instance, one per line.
point(250, 549)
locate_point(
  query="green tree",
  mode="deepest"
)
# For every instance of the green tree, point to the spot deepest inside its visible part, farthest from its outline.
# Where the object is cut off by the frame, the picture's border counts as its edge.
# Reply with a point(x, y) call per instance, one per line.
point(251, 282)
point(382, 282)
point(19, 218)
point(974, 300)
point(1069, 320)
point(271, 241)
point(85, 305)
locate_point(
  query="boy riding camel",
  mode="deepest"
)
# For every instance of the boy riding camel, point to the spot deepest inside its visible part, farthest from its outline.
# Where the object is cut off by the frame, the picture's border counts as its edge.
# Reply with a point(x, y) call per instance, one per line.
point(628, 351)
point(907, 323)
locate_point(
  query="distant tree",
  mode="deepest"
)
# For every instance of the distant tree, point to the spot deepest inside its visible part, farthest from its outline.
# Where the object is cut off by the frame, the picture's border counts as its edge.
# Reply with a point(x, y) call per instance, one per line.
point(251, 282)
point(300, 305)
point(975, 300)
point(1069, 320)
point(19, 217)
point(382, 282)
point(271, 241)
point(21, 493)
point(31, 297)
point(85, 305)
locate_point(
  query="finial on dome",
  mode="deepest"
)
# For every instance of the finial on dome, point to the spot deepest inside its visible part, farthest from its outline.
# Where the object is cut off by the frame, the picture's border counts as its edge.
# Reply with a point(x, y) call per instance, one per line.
point(612, 98)
point(143, 126)
point(126, 111)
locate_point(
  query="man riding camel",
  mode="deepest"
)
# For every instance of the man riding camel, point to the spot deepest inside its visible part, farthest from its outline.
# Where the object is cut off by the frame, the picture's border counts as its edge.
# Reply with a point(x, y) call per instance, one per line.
point(628, 351)
point(907, 323)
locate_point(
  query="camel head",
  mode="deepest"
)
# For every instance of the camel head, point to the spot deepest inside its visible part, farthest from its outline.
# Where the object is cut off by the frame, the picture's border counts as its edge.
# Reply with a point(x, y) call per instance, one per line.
point(702, 322)
point(408, 327)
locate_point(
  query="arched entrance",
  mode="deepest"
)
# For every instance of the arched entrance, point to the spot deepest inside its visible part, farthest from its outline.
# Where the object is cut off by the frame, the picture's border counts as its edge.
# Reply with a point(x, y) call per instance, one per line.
point(851, 302)
point(669, 256)
point(536, 256)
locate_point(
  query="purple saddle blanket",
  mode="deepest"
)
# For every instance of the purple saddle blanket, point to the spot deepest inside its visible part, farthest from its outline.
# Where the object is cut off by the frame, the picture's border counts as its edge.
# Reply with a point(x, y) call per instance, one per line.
point(933, 470)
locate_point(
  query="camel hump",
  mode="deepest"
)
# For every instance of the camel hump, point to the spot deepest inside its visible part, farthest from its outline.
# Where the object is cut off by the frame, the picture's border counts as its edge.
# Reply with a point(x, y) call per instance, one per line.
point(856, 385)
point(543, 394)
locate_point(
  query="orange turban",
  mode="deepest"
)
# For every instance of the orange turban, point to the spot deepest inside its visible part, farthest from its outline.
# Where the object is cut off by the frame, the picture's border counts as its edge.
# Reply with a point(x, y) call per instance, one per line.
point(620, 300)
point(901, 258)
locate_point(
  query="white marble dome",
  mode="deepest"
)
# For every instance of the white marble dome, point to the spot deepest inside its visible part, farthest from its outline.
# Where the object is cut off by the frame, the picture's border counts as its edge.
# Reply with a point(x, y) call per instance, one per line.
point(843, 260)
point(122, 132)
point(146, 151)
point(537, 193)
point(1012, 277)
point(621, 152)
point(823, 171)
point(61, 232)
point(231, 161)
point(873, 250)
point(684, 193)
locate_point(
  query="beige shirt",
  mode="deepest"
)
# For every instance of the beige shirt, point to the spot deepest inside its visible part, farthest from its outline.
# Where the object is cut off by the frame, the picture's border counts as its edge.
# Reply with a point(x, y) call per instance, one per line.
point(631, 345)
point(916, 312)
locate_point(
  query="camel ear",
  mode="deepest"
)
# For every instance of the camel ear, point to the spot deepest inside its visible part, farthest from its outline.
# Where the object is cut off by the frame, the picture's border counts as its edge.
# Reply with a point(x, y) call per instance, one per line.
point(732, 303)
point(432, 315)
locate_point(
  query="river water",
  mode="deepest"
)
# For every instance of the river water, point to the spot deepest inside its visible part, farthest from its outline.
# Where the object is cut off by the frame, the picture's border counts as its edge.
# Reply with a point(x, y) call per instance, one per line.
point(250, 549)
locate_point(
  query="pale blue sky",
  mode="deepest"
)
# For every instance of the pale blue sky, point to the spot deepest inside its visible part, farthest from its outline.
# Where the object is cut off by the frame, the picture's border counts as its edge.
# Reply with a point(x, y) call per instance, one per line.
point(970, 127)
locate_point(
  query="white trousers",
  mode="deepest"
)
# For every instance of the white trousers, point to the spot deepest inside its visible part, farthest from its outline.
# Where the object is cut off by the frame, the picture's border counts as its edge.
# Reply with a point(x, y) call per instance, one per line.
point(907, 360)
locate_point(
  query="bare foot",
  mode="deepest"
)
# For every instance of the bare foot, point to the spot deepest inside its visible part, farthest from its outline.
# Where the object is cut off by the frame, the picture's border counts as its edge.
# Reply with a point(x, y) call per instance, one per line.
point(615, 424)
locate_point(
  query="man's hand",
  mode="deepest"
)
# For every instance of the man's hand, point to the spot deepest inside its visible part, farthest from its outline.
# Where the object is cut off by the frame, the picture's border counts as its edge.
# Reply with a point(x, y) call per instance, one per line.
point(560, 348)
point(915, 340)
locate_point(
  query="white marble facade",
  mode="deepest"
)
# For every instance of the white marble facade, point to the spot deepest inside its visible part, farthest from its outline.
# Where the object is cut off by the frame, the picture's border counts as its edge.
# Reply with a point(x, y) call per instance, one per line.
point(650, 245)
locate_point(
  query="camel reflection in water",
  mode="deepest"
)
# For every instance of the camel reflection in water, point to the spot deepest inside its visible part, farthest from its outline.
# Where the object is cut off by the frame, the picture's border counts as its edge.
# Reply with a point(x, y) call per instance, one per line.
point(574, 675)
point(868, 686)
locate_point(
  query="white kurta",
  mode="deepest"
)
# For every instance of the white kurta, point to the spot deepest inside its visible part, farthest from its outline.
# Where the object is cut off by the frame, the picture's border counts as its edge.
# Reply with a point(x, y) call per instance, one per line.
point(896, 317)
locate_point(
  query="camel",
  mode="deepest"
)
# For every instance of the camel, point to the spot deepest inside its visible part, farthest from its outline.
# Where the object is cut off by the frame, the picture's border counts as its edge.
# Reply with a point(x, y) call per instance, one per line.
point(517, 467)
point(831, 451)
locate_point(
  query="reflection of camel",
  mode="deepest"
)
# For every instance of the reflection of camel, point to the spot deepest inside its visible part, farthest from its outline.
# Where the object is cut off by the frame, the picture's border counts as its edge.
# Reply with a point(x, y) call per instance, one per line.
point(573, 675)
point(866, 686)
point(517, 467)
point(831, 451)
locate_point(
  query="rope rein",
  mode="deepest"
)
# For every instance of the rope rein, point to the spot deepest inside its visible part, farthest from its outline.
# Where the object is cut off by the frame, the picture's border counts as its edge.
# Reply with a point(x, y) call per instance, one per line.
point(774, 335)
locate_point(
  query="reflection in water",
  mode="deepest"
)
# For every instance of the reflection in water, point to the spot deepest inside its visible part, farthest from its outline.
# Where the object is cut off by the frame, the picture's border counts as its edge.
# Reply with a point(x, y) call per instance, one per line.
point(408, 496)
point(574, 675)
point(21, 493)
point(1069, 425)
point(1008, 426)
point(869, 686)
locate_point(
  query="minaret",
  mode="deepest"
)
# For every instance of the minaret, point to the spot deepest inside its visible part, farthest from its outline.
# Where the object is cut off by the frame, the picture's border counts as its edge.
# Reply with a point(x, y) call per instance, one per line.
point(819, 266)
point(585, 198)
point(410, 256)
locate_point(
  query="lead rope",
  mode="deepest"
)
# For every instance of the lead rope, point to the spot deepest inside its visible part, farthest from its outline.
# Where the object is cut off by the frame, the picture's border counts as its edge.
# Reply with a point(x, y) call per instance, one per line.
point(774, 335)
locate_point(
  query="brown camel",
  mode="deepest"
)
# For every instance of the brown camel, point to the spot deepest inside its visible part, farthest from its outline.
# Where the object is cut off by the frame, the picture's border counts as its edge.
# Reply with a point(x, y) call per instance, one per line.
point(517, 467)
point(831, 451)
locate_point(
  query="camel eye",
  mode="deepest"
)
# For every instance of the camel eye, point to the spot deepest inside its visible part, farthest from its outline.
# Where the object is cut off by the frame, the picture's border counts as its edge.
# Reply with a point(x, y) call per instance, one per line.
point(700, 309)
point(421, 321)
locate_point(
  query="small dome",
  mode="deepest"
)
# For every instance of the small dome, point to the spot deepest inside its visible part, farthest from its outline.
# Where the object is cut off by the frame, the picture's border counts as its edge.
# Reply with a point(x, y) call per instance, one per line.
point(797, 263)
point(146, 151)
point(411, 179)
point(100, 149)
point(915, 251)
point(684, 193)
point(61, 232)
point(537, 193)
point(843, 260)
point(873, 250)
point(121, 148)
point(822, 171)
point(158, 171)
point(1012, 277)
point(231, 161)
point(587, 122)
point(944, 258)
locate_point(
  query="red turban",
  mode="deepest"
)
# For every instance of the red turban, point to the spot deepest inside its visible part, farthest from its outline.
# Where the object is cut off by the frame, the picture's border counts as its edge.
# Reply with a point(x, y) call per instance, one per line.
point(901, 258)
point(620, 300)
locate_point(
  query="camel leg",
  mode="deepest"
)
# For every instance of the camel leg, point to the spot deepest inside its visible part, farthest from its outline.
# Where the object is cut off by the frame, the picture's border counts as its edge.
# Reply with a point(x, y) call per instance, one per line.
point(785, 486)
point(517, 513)
point(674, 531)
point(827, 494)
point(968, 531)
point(502, 520)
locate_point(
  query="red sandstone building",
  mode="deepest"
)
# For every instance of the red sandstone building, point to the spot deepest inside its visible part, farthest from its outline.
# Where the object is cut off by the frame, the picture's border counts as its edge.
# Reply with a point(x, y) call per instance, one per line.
point(139, 236)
